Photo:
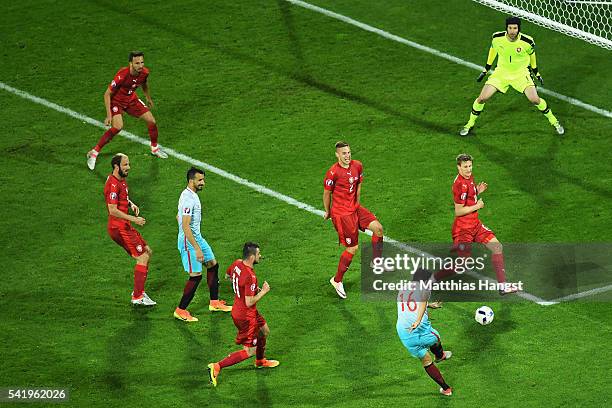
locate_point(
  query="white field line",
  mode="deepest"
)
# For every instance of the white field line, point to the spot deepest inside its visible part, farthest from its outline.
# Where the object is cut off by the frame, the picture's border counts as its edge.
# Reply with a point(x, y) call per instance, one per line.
point(433, 51)
point(257, 187)
point(586, 293)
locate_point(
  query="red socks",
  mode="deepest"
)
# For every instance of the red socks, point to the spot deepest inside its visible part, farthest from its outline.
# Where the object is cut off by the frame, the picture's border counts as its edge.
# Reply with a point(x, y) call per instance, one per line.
point(343, 265)
point(153, 135)
point(436, 375)
point(498, 264)
point(106, 137)
point(234, 358)
point(377, 246)
point(261, 348)
point(140, 276)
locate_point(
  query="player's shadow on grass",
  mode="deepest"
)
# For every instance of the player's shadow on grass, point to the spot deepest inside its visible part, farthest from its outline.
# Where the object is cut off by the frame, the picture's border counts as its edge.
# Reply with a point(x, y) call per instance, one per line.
point(303, 78)
point(194, 373)
point(122, 355)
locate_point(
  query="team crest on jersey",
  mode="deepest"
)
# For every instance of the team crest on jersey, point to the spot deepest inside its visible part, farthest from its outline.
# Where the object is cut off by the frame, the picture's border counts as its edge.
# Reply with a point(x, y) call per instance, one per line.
point(139, 248)
point(115, 109)
point(518, 49)
point(113, 196)
point(348, 241)
point(329, 182)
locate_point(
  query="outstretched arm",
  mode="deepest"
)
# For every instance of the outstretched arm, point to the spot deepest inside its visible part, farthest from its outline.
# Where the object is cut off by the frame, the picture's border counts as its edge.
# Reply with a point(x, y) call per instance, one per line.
point(490, 59)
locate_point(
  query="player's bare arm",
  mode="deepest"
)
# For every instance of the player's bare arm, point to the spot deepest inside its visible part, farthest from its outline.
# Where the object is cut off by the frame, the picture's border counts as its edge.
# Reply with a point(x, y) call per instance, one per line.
point(134, 208)
point(146, 91)
point(421, 307)
point(461, 210)
point(327, 196)
point(107, 104)
point(481, 187)
point(189, 235)
point(359, 194)
point(250, 301)
point(115, 212)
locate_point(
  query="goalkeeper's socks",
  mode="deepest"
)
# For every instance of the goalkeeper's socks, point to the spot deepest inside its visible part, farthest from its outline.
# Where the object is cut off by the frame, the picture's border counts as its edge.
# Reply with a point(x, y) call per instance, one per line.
point(436, 375)
point(543, 107)
point(476, 111)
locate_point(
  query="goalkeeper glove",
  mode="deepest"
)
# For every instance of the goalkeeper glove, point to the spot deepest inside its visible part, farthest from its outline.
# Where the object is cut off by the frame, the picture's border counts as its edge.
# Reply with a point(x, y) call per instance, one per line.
point(536, 75)
point(483, 73)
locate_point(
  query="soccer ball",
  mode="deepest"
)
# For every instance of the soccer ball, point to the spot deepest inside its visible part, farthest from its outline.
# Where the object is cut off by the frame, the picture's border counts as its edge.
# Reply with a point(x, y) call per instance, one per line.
point(484, 315)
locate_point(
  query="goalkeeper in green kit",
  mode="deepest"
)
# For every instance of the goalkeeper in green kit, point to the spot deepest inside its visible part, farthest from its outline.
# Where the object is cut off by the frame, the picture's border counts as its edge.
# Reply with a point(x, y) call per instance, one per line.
point(516, 63)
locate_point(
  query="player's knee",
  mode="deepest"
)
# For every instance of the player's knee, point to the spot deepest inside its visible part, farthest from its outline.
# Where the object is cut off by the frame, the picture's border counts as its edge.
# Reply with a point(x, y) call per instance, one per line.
point(143, 259)
point(265, 331)
point(426, 360)
point(251, 351)
point(352, 249)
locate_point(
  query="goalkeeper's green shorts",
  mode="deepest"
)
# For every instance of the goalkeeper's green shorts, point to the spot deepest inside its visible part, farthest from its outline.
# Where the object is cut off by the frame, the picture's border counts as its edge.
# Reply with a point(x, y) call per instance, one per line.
point(502, 81)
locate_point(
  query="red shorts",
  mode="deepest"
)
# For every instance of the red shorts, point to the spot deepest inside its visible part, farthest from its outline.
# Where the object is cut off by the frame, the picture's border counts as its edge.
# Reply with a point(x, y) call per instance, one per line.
point(135, 108)
point(129, 239)
point(248, 330)
point(348, 226)
point(471, 233)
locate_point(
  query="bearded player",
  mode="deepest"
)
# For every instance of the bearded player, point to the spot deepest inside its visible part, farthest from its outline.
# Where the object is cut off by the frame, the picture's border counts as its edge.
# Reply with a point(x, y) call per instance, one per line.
point(120, 96)
point(341, 200)
point(252, 327)
point(120, 228)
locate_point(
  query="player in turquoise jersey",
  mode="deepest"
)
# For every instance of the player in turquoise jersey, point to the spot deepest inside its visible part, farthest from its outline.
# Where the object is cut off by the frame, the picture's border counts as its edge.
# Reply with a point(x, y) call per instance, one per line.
point(516, 61)
point(415, 331)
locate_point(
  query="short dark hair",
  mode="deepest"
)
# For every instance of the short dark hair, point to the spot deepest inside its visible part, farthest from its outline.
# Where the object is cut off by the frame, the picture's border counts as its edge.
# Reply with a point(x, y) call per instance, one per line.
point(192, 172)
point(116, 160)
point(340, 144)
point(463, 157)
point(513, 20)
point(250, 248)
point(135, 54)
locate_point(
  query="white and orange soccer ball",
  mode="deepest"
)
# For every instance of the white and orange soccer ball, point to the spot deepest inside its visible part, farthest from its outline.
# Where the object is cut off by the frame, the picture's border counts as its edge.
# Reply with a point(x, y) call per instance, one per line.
point(484, 315)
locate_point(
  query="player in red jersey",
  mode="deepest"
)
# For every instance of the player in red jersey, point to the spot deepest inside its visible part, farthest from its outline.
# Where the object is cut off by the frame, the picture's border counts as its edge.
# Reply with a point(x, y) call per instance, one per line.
point(341, 200)
point(467, 228)
point(121, 96)
point(120, 228)
point(252, 327)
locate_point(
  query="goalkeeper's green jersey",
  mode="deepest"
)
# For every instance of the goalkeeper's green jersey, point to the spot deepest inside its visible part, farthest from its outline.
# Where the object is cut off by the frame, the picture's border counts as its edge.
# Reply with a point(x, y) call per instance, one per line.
point(512, 56)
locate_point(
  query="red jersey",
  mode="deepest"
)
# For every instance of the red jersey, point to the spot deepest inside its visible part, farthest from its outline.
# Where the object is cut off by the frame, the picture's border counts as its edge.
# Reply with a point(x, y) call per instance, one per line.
point(465, 192)
point(123, 87)
point(116, 192)
point(244, 283)
point(343, 184)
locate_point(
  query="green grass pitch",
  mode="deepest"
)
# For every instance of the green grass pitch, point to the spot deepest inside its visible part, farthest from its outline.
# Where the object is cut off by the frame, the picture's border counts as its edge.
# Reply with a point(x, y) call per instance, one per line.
point(263, 90)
